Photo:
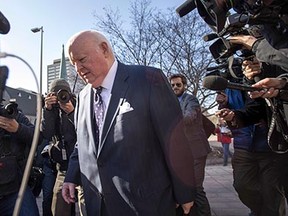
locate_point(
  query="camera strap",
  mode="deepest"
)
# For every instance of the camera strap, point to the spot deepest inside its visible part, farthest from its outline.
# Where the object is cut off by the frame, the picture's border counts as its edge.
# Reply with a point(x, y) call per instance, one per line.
point(60, 136)
point(278, 128)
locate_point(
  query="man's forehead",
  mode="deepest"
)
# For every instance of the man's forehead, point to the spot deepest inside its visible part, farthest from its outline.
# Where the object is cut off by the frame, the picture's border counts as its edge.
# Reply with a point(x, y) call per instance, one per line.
point(175, 79)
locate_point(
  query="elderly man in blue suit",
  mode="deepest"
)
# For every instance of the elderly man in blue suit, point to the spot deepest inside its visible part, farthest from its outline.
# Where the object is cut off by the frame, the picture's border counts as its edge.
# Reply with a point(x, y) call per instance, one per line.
point(131, 156)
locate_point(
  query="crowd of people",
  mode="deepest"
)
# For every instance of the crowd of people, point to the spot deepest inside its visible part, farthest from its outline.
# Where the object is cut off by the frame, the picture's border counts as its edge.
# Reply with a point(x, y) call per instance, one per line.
point(132, 142)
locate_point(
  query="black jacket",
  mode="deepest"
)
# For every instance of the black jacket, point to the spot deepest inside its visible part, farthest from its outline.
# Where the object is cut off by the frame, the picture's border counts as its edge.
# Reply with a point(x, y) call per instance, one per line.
point(57, 122)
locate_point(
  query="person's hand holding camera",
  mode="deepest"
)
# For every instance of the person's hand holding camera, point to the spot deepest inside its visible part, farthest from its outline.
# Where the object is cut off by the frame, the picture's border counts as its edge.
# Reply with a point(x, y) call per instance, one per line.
point(251, 68)
point(9, 124)
point(246, 41)
point(50, 100)
point(67, 107)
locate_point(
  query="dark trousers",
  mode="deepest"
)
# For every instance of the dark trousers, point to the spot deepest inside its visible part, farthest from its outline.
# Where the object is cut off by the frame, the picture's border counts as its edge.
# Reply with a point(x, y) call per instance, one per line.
point(282, 166)
point(257, 182)
point(47, 187)
point(201, 204)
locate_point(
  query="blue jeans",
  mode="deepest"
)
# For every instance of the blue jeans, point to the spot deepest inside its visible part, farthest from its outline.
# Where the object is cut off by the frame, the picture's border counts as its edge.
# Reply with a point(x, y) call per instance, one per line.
point(226, 152)
point(28, 207)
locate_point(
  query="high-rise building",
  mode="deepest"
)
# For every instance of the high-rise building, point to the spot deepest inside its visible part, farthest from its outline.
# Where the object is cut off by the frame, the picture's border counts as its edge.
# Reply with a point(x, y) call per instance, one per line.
point(53, 72)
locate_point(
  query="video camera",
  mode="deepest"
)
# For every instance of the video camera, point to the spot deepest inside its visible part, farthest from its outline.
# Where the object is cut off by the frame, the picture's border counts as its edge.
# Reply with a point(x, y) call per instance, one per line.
point(236, 24)
point(214, 12)
point(229, 56)
point(230, 70)
point(250, 14)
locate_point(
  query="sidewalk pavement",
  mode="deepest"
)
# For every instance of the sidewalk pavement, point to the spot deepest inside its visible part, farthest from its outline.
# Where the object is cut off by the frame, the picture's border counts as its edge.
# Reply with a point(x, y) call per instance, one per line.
point(219, 190)
point(218, 185)
point(222, 196)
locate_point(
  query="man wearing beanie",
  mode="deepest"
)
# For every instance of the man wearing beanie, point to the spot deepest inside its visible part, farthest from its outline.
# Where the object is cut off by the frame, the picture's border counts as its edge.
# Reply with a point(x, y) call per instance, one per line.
point(58, 128)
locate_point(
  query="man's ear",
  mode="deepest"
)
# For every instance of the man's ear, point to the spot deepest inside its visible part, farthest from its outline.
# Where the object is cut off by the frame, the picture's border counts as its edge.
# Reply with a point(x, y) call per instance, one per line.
point(104, 46)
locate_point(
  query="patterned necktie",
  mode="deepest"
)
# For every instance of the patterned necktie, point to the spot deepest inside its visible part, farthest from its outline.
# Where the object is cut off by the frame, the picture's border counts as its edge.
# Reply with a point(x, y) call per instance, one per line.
point(99, 108)
point(99, 114)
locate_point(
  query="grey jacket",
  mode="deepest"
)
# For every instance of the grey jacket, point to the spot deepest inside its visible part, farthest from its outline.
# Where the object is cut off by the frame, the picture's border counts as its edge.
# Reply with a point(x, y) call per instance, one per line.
point(193, 125)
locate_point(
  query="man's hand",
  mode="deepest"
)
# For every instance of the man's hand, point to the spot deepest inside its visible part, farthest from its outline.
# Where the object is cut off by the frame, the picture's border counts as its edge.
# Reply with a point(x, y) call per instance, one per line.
point(68, 192)
point(246, 41)
point(270, 87)
point(225, 114)
point(187, 207)
point(8, 124)
point(251, 68)
point(221, 98)
point(67, 107)
point(49, 100)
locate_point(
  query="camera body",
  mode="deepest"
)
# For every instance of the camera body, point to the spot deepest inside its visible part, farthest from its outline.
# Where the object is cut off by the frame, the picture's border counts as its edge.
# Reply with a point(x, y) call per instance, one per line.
point(9, 110)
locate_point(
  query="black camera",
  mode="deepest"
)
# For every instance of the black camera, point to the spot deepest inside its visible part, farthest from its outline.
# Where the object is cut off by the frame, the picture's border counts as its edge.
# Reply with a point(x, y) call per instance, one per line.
point(63, 96)
point(9, 110)
point(230, 70)
point(221, 49)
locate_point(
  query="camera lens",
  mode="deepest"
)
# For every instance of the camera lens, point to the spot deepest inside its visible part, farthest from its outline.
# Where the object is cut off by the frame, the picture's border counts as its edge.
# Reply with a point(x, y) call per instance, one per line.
point(63, 96)
point(10, 110)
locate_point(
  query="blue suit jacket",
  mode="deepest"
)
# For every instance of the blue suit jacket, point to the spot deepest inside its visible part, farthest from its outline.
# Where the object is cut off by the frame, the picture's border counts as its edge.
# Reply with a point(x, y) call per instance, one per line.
point(143, 164)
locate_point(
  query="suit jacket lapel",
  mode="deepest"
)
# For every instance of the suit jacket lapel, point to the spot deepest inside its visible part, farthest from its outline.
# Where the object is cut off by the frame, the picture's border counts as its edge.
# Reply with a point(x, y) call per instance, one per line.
point(183, 101)
point(117, 97)
point(90, 114)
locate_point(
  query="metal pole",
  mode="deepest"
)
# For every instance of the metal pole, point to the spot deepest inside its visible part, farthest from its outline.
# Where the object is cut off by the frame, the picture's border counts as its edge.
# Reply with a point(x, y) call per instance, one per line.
point(41, 59)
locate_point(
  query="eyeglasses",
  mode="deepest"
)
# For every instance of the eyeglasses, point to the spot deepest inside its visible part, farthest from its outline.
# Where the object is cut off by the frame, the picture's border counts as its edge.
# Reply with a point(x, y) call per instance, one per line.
point(177, 84)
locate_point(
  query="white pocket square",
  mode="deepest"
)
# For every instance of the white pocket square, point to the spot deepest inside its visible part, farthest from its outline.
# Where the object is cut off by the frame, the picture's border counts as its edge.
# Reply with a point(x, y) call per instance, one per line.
point(125, 107)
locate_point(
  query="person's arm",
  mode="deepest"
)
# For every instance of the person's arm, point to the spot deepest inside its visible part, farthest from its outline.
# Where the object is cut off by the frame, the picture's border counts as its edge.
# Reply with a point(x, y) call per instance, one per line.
point(25, 130)
point(49, 116)
point(263, 50)
point(72, 178)
point(192, 109)
point(266, 53)
point(168, 123)
point(254, 112)
point(272, 87)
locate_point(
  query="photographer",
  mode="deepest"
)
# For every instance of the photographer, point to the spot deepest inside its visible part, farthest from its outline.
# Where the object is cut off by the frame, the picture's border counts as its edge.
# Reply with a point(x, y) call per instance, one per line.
point(58, 127)
point(16, 135)
point(255, 176)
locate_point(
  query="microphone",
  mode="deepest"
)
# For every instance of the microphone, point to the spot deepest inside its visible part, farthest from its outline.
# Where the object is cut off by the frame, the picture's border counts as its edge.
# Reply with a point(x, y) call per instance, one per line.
point(210, 37)
point(186, 8)
point(218, 83)
point(4, 24)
